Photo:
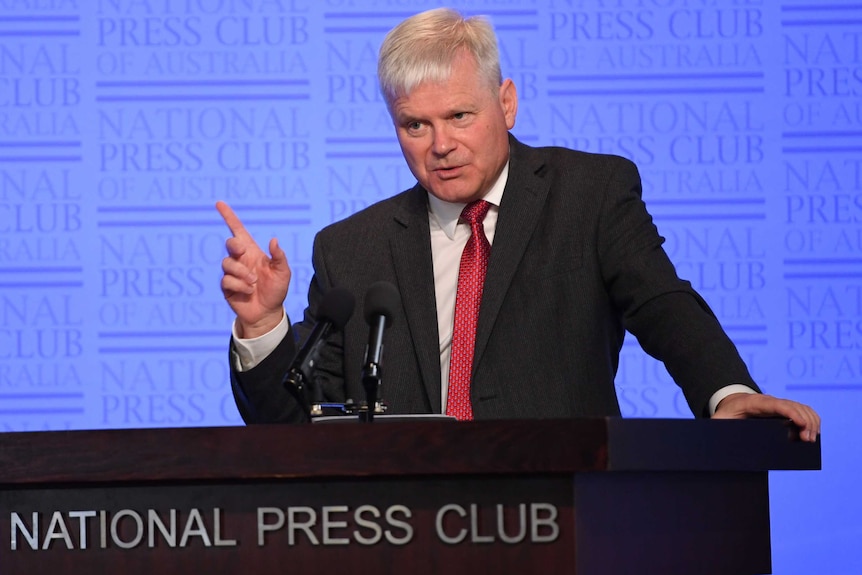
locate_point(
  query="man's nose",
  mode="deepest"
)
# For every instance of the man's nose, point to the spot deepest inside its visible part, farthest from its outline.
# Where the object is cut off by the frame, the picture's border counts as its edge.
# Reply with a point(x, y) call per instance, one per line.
point(443, 142)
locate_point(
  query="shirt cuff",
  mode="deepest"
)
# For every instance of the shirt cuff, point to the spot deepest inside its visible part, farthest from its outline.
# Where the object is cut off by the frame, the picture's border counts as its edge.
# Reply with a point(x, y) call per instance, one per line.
point(250, 352)
point(724, 392)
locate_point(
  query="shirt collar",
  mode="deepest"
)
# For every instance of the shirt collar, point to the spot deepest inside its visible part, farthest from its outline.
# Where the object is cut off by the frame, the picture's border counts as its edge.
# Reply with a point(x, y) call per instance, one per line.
point(447, 213)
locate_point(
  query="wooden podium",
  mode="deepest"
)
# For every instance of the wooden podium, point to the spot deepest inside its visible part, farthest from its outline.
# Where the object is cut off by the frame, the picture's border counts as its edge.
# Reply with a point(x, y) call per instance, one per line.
point(594, 496)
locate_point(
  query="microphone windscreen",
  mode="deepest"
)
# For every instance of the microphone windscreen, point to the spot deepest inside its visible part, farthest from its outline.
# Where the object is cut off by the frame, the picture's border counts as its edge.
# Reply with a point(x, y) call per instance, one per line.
point(382, 298)
point(336, 306)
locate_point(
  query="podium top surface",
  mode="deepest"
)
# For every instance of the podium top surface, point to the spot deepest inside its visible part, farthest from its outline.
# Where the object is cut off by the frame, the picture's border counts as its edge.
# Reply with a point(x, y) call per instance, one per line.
point(401, 448)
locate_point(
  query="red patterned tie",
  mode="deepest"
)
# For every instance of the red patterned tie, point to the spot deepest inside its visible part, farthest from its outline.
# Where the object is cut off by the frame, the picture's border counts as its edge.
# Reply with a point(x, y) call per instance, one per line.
point(471, 278)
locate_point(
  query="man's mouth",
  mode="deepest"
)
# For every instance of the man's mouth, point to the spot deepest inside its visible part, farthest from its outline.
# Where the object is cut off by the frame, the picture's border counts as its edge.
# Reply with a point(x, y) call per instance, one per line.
point(443, 171)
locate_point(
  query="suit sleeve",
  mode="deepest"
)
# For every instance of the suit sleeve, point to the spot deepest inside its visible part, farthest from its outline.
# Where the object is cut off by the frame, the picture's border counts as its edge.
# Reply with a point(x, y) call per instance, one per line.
point(670, 320)
point(258, 392)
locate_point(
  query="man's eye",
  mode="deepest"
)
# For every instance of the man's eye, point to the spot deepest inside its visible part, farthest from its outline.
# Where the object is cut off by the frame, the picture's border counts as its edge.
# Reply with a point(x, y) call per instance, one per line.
point(459, 115)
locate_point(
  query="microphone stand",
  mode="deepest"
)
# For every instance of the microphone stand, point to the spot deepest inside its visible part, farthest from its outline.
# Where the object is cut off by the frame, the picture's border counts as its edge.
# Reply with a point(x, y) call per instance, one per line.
point(381, 301)
point(373, 405)
point(295, 383)
point(300, 382)
point(371, 379)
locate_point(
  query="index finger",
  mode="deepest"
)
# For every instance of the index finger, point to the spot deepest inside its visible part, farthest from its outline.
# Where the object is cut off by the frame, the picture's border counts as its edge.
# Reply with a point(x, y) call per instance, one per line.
point(231, 219)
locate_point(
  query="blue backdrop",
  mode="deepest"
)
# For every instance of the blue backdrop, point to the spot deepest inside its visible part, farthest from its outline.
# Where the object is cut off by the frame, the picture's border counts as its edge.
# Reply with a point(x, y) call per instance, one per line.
point(122, 122)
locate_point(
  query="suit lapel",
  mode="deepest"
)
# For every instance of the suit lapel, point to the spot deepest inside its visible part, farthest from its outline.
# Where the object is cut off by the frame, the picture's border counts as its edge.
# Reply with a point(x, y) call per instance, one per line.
point(520, 208)
point(411, 252)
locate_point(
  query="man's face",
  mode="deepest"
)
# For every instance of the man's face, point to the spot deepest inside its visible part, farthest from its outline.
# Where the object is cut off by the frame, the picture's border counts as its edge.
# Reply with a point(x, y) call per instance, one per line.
point(454, 134)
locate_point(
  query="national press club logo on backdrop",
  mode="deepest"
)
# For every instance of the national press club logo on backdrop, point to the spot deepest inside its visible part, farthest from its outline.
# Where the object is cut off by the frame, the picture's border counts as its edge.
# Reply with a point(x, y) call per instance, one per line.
point(123, 122)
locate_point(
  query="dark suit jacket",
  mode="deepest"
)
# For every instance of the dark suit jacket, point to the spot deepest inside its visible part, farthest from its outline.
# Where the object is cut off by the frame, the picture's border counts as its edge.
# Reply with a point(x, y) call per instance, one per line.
point(576, 261)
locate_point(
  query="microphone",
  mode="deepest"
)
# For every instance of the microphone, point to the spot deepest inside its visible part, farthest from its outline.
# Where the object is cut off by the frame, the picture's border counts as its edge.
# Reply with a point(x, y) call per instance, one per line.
point(334, 311)
point(381, 302)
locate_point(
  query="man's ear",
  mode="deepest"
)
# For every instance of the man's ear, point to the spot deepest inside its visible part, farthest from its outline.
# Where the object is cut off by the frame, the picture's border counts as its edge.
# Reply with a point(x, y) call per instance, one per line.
point(509, 102)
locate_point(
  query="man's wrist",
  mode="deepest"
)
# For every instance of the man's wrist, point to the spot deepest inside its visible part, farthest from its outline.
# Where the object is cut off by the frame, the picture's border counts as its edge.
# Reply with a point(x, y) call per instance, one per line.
point(259, 328)
point(251, 351)
point(724, 392)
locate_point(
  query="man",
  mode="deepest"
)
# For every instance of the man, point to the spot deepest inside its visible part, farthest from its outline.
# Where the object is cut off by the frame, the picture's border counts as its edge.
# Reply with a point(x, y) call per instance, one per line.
point(575, 262)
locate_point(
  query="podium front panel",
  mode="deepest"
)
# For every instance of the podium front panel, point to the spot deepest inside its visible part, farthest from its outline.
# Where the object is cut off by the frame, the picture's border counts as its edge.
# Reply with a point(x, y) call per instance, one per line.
point(467, 525)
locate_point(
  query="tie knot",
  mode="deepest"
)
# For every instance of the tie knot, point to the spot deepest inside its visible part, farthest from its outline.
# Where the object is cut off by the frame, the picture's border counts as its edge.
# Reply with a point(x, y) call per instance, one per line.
point(475, 212)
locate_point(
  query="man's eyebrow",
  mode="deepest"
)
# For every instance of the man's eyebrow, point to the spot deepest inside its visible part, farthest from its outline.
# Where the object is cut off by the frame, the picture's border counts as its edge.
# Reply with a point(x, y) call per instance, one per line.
point(404, 117)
